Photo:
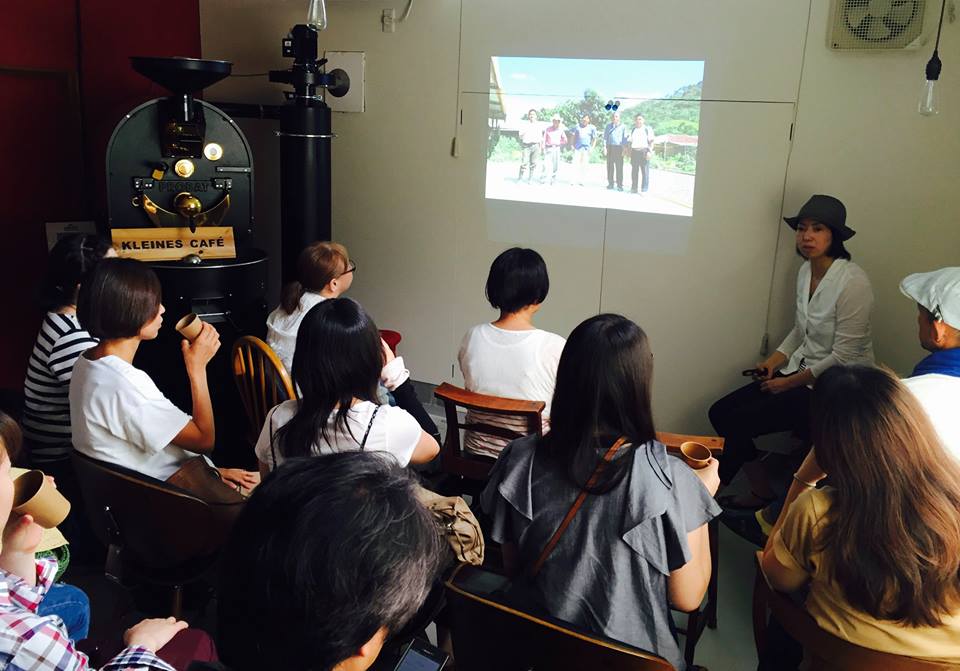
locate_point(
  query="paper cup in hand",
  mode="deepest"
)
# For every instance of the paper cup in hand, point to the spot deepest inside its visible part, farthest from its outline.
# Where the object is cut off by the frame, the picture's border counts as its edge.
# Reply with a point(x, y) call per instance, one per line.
point(34, 495)
point(190, 326)
point(696, 456)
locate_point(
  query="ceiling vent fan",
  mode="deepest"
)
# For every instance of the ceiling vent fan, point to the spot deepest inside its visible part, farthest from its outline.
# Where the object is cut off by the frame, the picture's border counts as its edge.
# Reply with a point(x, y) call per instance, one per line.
point(876, 24)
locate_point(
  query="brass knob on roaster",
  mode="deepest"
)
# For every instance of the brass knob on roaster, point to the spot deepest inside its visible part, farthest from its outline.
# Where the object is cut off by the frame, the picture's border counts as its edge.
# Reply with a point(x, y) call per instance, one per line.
point(187, 205)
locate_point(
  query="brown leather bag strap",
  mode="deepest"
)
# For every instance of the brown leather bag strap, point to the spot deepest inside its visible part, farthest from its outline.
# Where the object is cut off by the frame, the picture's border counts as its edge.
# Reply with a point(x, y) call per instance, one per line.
point(552, 543)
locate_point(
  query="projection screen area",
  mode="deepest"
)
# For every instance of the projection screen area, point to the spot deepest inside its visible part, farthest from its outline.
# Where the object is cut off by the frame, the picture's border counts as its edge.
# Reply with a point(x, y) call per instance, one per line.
point(611, 134)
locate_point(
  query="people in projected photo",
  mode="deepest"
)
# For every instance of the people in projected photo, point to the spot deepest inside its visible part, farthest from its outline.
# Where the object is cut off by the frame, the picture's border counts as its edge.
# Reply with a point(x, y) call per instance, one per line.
point(531, 144)
point(584, 139)
point(554, 138)
point(615, 136)
point(641, 144)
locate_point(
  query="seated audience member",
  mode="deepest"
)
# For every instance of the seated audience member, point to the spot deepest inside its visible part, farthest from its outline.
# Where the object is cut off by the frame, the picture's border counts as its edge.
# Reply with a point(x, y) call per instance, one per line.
point(330, 556)
point(67, 602)
point(639, 543)
point(339, 360)
point(878, 549)
point(936, 379)
point(46, 413)
point(118, 414)
point(32, 635)
point(323, 271)
point(61, 340)
point(510, 357)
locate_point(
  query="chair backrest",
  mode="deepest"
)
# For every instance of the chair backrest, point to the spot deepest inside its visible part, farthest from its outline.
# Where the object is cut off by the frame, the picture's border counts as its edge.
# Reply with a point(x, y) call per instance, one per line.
point(453, 459)
point(490, 634)
point(158, 525)
point(673, 441)
point(262, 380)
point(825, 651)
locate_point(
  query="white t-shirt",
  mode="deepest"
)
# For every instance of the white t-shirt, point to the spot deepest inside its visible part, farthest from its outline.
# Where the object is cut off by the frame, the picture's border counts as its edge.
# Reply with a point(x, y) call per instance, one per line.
point(641, 138)
point(509, 364)
point(939, 395)
point(393, 430)
point(119, 416)
point(282, 328)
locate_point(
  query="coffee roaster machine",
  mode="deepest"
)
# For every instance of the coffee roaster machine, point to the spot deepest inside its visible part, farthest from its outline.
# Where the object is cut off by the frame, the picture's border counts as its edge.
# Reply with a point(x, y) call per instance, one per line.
point(180, 198)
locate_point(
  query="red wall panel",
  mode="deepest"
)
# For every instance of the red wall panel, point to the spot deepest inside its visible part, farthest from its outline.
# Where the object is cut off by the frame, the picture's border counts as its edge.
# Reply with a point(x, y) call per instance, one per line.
point(65, 81)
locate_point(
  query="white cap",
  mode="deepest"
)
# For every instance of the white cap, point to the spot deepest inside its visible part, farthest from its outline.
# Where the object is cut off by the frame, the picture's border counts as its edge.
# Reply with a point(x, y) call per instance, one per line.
point(938, 291)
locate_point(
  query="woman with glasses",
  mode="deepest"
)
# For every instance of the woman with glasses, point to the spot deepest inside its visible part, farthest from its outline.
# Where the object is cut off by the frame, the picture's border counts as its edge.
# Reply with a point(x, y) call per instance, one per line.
point(324, 270)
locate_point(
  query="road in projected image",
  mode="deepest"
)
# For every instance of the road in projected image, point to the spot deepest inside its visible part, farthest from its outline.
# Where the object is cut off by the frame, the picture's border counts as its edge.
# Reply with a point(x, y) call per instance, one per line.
point(594, 133)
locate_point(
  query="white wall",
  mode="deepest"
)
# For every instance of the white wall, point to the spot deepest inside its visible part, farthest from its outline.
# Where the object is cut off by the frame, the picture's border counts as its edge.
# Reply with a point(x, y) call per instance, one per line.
point(411, 215)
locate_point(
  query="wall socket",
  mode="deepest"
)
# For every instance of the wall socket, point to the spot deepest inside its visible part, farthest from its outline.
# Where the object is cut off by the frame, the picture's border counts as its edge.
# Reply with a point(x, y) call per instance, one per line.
point(388, 20)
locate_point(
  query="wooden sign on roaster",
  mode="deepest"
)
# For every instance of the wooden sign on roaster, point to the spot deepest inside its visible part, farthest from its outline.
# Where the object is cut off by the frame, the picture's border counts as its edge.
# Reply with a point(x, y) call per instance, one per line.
point(172, 244)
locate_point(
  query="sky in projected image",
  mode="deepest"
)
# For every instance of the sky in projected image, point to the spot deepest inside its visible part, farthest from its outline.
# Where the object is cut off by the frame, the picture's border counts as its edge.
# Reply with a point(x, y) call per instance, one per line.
point(556, 156)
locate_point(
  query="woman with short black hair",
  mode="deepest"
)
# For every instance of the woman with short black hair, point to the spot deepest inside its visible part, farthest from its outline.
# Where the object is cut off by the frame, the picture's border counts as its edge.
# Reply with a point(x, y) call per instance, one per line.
point(118, 413)
point(338, 361)
point(638, 545)
point(834, 301)
point(510, 357)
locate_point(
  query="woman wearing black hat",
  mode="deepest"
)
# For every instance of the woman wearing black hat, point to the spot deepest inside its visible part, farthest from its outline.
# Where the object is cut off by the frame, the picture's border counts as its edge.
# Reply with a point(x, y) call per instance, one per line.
point(834, 301)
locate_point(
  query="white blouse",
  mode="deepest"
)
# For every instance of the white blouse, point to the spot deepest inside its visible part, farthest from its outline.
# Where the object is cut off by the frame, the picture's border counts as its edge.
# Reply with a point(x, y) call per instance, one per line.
point(833, 326)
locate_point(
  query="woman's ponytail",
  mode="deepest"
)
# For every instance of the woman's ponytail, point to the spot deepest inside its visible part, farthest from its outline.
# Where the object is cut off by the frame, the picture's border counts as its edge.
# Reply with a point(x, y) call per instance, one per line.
point(290, 298)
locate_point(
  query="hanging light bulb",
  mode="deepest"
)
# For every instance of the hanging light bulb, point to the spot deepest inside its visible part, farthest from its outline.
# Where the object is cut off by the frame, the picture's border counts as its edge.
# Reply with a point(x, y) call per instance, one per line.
point(930, 92)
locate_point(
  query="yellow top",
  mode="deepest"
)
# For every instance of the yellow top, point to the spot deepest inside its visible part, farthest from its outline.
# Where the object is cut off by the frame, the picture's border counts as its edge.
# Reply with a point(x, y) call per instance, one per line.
point(795, 549)
point(52, 538)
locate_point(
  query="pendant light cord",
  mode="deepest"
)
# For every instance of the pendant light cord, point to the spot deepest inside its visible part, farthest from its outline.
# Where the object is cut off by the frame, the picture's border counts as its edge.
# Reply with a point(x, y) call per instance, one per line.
point(943, 6)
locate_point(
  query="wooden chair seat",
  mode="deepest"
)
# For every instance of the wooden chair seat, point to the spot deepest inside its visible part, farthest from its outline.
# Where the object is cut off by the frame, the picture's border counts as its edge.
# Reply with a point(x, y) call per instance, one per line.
point(261, 379)
point(490, 634)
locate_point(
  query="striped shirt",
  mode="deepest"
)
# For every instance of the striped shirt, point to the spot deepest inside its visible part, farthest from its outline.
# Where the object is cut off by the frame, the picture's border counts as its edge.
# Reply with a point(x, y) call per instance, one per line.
point(46, 414)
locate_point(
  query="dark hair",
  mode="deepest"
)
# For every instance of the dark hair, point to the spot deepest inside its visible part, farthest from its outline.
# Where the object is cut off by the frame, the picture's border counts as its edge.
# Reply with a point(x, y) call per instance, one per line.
point(317, 265)
point(892, 533)
point(11, 438)
point(70, 260)
point(119, 297)
point(338, 357)
point(602, 393)
point(326, 552)
point(836, 251)
point(518, 278)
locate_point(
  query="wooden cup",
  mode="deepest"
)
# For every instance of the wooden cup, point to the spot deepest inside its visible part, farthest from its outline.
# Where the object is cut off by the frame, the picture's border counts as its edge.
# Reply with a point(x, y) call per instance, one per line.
point(33, 495)
point(190, 326)
point(695, 455)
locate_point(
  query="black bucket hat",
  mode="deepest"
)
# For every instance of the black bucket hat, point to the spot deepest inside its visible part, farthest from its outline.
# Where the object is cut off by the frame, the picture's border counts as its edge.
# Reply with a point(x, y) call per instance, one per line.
point(828, 211)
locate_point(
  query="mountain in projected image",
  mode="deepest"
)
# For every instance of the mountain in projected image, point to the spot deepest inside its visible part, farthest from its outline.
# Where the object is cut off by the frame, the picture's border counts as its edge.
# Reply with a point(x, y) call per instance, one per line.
point(548, 145)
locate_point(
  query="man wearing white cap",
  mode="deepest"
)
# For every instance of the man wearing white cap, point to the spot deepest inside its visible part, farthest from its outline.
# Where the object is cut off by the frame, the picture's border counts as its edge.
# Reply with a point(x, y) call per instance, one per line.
point(936, 379)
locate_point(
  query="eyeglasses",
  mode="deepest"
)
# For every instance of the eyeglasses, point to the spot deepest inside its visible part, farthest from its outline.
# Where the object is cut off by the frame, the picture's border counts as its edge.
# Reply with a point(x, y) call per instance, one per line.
point(351, 267)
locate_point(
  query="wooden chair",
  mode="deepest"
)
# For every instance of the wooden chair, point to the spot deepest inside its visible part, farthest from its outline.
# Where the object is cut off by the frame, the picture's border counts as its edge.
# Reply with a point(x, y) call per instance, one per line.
point(489, 634)
point(823, 650)
point(471, 467)
point(261, 379)
point(155, 533)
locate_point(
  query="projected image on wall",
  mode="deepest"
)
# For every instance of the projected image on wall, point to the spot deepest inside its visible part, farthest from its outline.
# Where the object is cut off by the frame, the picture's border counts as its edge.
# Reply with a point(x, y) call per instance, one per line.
point(594, 133)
